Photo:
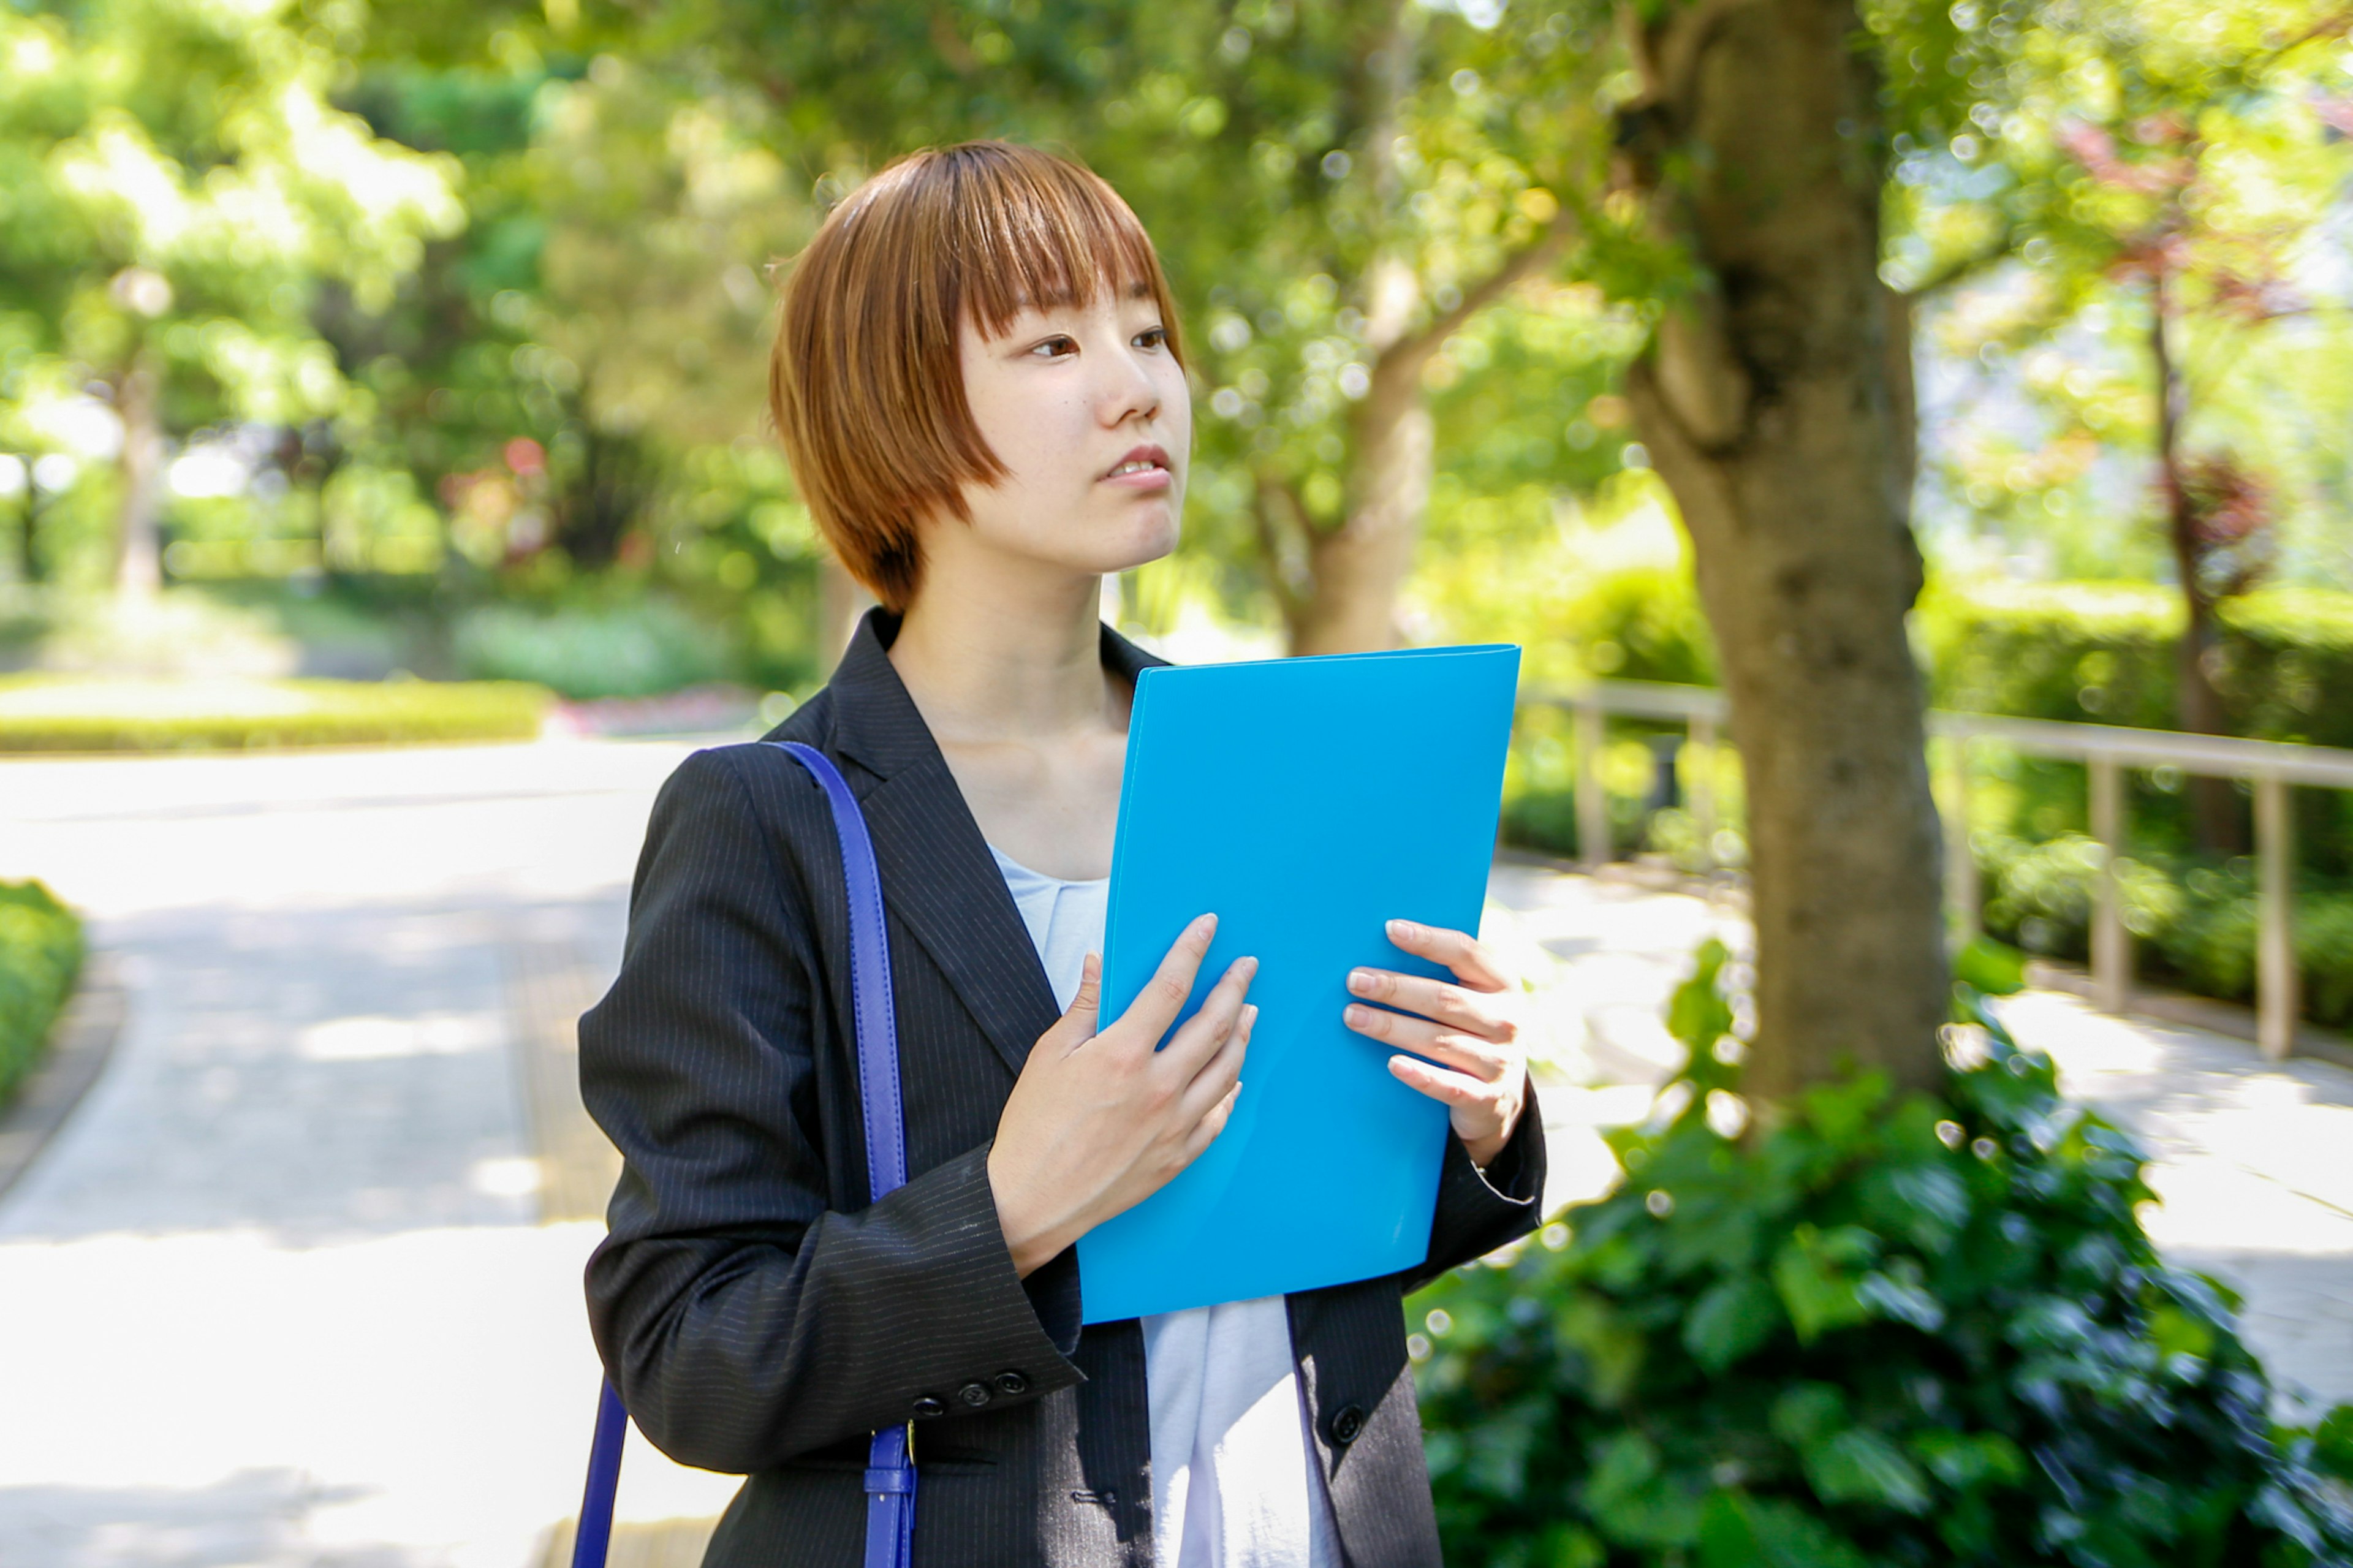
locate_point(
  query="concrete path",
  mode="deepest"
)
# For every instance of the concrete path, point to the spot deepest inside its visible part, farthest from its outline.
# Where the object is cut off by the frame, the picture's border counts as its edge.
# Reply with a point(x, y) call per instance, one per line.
point(2253, 1159)
point(279, 1295)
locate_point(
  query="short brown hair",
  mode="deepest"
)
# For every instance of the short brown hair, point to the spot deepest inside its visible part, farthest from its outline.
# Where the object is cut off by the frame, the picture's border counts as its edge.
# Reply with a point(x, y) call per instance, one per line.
point(866, 380)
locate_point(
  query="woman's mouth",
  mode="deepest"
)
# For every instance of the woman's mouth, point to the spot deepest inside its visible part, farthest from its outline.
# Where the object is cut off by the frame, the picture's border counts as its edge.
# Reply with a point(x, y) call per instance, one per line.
point(1146, 469)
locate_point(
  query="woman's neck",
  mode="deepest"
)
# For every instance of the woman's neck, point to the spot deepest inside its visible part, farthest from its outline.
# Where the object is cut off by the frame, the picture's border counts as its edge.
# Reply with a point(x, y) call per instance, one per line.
point(1020, 663)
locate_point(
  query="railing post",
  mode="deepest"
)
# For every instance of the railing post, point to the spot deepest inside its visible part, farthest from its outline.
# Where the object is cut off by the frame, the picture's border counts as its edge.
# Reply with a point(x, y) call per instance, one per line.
point(2111, 943)
point(1700, 789)
point(2276, 1001)
point(1592, 804)
point(1960, 857)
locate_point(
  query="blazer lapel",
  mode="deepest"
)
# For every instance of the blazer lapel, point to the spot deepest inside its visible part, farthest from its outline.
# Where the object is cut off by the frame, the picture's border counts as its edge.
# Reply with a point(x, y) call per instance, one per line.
point(938, 875)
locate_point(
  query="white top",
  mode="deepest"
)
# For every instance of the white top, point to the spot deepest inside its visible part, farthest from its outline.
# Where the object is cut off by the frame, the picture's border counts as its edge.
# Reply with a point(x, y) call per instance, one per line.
point(1235, 1481)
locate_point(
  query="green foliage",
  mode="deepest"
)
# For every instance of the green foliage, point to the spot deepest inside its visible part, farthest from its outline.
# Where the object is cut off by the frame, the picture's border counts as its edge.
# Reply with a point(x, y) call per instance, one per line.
point(47, 713)
point(40, 957)
point(2104, 653)
point(2195, 925)
point(639, 648)
point(1871, 1331)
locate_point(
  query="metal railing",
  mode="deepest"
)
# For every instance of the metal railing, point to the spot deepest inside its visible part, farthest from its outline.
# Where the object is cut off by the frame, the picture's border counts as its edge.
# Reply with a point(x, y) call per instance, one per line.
point(2106, 750)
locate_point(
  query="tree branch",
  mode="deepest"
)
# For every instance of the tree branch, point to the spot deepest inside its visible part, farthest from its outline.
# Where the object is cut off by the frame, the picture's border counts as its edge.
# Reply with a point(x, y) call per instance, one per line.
point(1415, 347)
point(1963, 267)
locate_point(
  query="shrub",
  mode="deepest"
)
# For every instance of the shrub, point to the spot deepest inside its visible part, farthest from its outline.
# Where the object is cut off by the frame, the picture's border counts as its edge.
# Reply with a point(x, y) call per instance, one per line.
point(1878, 1331)
point(40, 957)
point(2195, 925)
point(2104, 653)
point(51, 713)
point(639, 647)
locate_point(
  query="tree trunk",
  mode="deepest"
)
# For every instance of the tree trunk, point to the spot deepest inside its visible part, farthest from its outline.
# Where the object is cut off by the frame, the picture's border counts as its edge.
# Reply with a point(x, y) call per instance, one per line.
point(139, 559)
point(1355, 571)
point(2198, 703)
point(1769, 408)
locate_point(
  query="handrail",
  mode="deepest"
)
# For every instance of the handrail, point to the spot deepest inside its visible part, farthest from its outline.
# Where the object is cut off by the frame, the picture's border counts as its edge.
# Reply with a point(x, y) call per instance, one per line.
point(2105, 749)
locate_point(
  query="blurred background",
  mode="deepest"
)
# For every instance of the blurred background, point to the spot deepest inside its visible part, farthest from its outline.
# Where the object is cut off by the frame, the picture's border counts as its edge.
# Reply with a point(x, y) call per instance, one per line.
point(386, 504)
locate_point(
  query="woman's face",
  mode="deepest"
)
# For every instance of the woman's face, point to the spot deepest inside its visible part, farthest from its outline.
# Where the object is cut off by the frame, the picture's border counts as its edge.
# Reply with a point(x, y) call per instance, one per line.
point(1089, 412)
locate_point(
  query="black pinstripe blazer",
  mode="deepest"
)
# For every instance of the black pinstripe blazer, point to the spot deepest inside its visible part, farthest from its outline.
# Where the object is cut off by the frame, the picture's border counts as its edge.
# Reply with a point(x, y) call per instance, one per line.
point(760, 1316)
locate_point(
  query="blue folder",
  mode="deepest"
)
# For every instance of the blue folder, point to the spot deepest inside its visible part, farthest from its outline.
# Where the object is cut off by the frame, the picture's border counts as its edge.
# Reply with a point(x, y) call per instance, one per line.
point(1306, 802)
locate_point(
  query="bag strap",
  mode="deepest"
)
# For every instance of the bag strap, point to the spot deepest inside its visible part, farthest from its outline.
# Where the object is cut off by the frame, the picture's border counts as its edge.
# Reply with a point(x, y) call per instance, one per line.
point(890, 1460)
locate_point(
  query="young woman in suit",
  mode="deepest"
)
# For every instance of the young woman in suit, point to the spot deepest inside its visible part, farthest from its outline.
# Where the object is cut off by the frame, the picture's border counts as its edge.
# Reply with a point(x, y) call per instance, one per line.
point(978, 380)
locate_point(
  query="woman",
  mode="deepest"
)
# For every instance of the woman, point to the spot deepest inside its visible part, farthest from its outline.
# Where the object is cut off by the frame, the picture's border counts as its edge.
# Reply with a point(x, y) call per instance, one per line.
point(978, 381)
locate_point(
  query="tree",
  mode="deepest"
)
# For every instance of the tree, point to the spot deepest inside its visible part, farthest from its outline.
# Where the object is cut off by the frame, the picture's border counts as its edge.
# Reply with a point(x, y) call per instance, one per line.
point(2181, 160)
point(177, 191)
point(1755, 141)
point(1336, 189)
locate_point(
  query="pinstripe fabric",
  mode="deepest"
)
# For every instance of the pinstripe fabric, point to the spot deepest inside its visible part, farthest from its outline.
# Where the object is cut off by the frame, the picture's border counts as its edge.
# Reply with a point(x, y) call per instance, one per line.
point(760, 1318)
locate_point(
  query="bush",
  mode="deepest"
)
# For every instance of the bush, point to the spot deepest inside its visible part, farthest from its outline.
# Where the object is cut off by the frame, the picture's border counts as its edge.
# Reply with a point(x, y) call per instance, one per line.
point(2104, 653)
point(51, 713)
point(2195, 925)
point(637, 647)
point(40, 958)
point(1881, 1331)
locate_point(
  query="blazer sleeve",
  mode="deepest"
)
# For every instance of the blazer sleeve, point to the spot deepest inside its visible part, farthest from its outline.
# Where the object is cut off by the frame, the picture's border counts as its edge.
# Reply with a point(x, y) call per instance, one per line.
point(1481, 1211)
point(742, 1320)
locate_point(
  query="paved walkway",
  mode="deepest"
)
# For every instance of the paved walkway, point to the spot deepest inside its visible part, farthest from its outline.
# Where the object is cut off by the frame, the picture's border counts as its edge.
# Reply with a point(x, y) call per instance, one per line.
point(279, 1295)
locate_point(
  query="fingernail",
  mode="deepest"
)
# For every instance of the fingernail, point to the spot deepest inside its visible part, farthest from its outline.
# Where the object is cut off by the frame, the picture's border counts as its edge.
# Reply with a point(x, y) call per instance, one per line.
point(1248, 966)
point(1401, 928)
point(1355, 1014)
point(1360, 981)
point(1249, 1015)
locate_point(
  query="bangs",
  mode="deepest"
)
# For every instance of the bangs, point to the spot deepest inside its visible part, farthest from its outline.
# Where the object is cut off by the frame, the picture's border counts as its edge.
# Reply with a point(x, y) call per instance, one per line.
point(865, 378)
point(1035, 230)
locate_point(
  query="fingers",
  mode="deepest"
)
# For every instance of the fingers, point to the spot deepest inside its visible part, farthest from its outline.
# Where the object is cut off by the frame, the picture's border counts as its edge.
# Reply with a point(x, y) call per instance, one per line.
point(1205, 1132)
point(1157, 1005)
point(1457, 1089)
point(1447, 1003)
point(1219, 1073)
point(1079, 1017)
point(1487, 1061)
point(1207, 1029)
point(1473, 961)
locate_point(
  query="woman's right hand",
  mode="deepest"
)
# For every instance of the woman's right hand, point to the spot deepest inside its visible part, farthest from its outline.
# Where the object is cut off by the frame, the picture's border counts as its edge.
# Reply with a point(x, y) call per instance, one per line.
point(1100, 1122)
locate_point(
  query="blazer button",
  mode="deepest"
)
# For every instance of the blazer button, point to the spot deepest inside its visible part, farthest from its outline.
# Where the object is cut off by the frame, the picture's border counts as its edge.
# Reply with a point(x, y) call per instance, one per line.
point(975, 1394)
point(1347, 1424)
point(928, 1406)
point(1012, 1383)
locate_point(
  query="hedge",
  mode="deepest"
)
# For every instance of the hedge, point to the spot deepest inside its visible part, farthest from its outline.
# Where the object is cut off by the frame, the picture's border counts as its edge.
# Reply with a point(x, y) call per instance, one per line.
point(2104, 653)
point(2193, 925)
point(40, 958)
point(2086, 652)
point(1868, 1330)
point(56, 713)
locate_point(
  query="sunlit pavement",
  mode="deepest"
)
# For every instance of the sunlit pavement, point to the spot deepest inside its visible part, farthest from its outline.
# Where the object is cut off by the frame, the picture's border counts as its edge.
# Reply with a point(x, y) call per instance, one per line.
point(2252, 1163)
point(278, 1295)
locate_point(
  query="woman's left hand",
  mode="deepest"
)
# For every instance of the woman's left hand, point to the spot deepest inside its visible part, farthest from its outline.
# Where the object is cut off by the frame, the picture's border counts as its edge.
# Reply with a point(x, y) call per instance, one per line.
point(1472, 1027)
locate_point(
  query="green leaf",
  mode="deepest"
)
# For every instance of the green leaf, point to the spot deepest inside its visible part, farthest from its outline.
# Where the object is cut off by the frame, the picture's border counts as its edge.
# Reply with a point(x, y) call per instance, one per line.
point(1993, 967)
point(1632, 1501)
point(1810, 1274)
point(2332, 1443)
point(1737, 1531)
point(1904, 1300)
point(1808, 1413)
point(1858, 1465)
point(1731, 1317)
point(1962, 1460)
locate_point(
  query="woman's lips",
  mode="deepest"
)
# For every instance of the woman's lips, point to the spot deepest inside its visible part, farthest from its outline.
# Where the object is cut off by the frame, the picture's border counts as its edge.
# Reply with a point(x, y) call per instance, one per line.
point(1153, 478)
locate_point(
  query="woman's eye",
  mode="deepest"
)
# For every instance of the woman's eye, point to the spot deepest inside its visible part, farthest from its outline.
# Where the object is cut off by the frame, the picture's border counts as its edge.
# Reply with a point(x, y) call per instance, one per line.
point(1054, 348)
point(1152, 338)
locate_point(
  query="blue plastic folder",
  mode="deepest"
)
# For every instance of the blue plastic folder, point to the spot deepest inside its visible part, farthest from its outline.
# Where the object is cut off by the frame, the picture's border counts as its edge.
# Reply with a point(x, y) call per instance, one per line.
point(1306, 802)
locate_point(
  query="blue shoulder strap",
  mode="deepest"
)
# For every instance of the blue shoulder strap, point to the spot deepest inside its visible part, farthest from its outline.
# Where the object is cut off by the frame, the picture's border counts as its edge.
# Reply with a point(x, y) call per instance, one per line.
point(890, 1461)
